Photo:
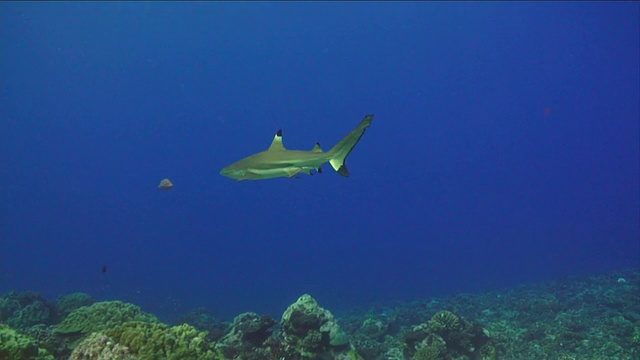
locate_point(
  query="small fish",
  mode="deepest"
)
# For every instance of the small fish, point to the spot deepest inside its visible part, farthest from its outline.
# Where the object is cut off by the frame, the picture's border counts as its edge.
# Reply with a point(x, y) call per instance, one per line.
point(278, 161)
point(165, 184)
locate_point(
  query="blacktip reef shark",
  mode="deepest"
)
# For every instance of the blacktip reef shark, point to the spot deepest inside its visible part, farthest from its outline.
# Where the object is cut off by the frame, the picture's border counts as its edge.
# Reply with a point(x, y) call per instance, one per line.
point(277, 161)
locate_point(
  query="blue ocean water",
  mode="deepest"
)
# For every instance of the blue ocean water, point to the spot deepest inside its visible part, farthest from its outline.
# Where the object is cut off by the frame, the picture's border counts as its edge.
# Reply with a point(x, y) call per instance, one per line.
point(504, 149)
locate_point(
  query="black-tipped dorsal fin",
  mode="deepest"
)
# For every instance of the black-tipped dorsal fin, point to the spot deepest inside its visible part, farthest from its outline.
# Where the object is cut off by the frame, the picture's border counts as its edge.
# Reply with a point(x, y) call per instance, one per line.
point(317, 148)
point(277, 144)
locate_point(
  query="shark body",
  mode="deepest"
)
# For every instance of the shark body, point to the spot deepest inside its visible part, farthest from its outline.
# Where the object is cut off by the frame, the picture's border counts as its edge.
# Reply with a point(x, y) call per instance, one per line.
point(277, 161)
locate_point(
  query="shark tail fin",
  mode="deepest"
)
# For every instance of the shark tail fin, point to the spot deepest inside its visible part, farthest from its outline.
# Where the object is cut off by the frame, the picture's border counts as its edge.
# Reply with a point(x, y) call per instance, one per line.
point(340, 152)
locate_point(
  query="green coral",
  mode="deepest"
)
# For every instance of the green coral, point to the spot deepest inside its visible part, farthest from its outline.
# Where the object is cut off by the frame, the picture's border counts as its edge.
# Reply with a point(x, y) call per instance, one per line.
point(310, 344)
point(100, 347)
point(154, 340)
point(102, 316)
point(309, 330)
point(487, 352)
point(37, 312)
point(14, 345)
point(433, 347)
point(203, 321)
point(337, 337)
point(23, 310)
point(304, 315)
point(8, 308)
point(444, 321)
point(373, 328)
point(70, 302)
point(249, 337)
point(353, 354)
point(635, 336)
point(429, 353)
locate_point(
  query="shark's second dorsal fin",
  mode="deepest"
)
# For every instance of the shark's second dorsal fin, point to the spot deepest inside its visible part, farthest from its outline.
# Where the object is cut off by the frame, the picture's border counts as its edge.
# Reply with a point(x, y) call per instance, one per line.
point(317, 148)
point(276, 144)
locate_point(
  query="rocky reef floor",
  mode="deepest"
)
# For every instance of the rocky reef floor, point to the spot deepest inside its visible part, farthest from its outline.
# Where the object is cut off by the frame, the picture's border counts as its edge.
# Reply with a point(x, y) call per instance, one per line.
point(589, 317)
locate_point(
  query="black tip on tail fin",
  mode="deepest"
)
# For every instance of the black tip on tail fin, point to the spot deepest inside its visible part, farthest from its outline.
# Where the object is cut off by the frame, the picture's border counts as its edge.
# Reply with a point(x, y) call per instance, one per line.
point(343, 170)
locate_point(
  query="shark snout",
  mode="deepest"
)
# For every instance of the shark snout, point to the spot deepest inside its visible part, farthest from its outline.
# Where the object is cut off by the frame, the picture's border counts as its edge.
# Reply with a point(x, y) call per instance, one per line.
point(231, 172)
point(226, 172)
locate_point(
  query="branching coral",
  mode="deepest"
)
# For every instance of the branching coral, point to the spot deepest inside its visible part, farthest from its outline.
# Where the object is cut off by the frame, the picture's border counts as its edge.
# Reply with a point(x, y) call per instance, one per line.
point(100, 347)
point(22, 310)
point(101, 316)
point(154, 340)
point(14, 345)
point(444, 321)
point(68, 303)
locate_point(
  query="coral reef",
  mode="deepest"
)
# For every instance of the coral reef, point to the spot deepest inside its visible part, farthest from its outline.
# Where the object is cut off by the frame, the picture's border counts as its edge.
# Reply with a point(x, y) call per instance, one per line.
point(374, 328)
point(203, 321)
point(372, 334)
point(573, 317)
point(14, 345)
point(576, 318)
point(100, 347)
point(101, 316)
point(247, 336)
point(9, 306)
point(444, 322)
point(447, 335)
point(155, 340)
point(310, 330)
point(70, 302)
point(435, 349)
point(22, 310)
point(46, 338)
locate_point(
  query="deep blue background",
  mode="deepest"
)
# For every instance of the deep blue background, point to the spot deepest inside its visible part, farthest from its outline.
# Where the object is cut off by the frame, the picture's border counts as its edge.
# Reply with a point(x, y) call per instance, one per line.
point(463, 182)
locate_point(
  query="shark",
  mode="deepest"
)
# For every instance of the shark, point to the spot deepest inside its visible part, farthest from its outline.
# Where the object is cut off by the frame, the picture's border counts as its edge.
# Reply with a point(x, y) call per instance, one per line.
point(278, 161)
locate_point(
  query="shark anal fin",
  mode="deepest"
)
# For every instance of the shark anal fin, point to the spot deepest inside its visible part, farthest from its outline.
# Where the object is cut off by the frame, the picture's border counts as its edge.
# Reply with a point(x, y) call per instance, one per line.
point(319, 170)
